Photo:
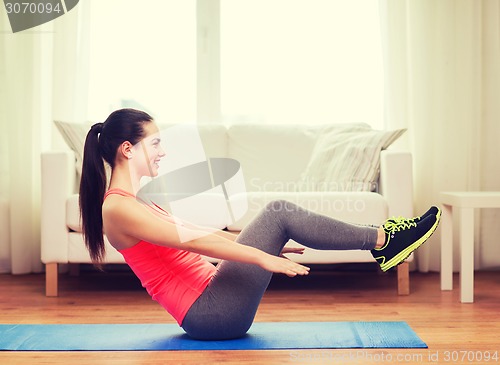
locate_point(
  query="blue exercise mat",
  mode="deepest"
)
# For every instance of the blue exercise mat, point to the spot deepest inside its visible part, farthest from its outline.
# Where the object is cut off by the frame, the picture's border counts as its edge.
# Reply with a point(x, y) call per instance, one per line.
point(159, 337)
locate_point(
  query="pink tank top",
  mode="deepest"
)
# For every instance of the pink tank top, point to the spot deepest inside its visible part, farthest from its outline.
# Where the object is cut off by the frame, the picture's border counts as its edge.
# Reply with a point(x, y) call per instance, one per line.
point(174, 278)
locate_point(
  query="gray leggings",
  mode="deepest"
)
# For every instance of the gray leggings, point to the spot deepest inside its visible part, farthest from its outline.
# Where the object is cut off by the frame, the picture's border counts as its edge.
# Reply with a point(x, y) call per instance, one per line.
point(227, 307)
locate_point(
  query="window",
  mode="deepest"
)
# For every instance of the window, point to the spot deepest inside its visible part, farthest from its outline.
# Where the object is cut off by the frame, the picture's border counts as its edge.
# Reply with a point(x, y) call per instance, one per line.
point(301, 61)
point(143, 55)
point(269, 61)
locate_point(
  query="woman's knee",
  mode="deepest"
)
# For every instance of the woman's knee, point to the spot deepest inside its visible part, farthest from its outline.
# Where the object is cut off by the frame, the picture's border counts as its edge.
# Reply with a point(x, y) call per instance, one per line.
point(280, 205)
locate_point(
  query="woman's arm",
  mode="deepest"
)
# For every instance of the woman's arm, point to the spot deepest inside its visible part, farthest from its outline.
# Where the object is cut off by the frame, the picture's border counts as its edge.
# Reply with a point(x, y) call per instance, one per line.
point(221, 233)
point(228, 235)
point(138, 222)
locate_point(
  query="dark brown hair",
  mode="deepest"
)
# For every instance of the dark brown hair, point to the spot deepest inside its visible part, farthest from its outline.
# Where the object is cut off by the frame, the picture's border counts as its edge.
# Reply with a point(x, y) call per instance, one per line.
point(101, 145)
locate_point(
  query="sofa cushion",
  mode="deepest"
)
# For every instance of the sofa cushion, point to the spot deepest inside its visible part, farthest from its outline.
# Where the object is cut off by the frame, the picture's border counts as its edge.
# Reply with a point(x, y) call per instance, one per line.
point(270, 155)
point(77, 252)
point(273, 156)
point(74, 135)
point(214, 139)
point(347, 159)
point(188, 143)
point(355, 207)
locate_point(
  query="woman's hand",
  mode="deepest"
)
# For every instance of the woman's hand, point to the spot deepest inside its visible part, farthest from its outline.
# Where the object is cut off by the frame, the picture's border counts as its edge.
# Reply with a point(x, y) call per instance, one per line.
point(282, 265)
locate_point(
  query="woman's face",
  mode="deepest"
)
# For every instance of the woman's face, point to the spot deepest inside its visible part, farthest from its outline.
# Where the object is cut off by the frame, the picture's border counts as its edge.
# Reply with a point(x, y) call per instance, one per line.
point(148, 152)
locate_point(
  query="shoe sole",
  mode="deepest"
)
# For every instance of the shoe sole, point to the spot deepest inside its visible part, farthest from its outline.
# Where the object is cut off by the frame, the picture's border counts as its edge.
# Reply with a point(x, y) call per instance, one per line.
point(403, 255)
point(438, 214)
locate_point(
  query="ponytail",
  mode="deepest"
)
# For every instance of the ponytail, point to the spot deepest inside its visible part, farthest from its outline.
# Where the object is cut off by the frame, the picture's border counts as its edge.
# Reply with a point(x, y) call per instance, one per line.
point(92, 189)
point(101, 145)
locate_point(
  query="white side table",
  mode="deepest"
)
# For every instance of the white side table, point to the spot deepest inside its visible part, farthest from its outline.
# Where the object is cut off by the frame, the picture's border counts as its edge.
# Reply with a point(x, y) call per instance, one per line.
point(465, 202)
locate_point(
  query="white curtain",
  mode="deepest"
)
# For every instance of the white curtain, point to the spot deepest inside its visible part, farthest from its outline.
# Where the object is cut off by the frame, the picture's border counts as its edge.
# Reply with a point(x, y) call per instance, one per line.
point(41, 76)
point(442, 81)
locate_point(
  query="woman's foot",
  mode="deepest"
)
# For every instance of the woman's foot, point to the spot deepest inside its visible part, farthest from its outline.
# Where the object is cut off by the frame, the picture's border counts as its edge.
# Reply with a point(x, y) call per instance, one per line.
point(432, 211)
point(403, 236)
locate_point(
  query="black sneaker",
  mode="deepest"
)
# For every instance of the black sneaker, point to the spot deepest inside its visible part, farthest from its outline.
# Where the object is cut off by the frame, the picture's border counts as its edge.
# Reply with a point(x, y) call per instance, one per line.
point(432, 211)
point(402, 238)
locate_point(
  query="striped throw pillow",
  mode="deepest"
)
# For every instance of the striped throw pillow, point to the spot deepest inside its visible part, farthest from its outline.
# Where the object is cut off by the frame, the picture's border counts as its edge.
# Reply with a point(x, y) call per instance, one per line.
point(347, 160)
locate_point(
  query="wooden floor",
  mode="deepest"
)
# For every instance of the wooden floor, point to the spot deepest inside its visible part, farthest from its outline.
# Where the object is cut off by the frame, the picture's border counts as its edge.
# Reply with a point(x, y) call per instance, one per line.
point(450, 329)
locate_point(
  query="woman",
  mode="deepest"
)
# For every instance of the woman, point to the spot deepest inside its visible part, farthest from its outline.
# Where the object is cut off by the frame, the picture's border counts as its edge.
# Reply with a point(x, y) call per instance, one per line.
point(209, 302)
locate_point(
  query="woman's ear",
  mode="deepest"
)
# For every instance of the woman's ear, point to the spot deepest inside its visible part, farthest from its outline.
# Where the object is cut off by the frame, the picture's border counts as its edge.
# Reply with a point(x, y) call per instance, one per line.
point(126, 150)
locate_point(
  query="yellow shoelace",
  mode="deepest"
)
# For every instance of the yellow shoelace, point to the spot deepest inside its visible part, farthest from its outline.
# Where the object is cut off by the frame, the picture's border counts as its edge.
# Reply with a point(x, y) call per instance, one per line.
point(396, 224)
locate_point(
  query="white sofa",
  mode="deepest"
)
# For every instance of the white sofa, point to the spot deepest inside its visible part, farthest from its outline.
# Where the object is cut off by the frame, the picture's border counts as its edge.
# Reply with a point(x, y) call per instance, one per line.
point(272, 158)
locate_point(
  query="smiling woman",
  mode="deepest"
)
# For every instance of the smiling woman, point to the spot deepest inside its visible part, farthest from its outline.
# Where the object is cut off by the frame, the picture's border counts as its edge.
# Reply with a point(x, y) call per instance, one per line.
point(166, 253)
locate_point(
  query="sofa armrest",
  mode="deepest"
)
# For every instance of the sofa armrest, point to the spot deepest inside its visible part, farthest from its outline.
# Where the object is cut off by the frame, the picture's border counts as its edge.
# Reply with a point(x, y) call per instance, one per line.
point(396, 182)
point(58, 182)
